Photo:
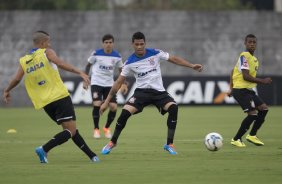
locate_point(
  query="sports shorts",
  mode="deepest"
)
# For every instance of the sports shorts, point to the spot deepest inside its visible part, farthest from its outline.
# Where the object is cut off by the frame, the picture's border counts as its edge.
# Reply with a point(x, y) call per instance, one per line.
point(247, 99)
point(61, 110)
point(144, 97)
point(100, 93)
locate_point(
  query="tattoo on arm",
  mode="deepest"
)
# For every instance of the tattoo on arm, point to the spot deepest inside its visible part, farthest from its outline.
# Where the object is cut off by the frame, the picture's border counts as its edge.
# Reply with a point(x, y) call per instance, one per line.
point(87, 68)
point(112, 92)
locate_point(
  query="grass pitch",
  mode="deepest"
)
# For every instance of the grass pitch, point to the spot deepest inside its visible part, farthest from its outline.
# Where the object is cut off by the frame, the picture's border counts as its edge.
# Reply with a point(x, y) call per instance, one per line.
point(139, 157)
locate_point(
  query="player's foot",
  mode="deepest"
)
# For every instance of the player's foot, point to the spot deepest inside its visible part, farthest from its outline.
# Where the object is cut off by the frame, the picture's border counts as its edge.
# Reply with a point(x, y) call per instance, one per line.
point(107, 149)
point(95, 159)
point(107, 133)
point(238, 143)
point(170, 148)
point(255, 140)
point(96, 133)
point(41, 154)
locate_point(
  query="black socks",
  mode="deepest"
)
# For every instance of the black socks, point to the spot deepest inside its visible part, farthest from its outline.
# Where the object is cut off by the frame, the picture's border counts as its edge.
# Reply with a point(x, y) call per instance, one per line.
point(171, 123)
point(96, 116)
point(258, 122)
point(111, 117)
point(79, 141)
point(121, 122)
point(245, 125)
point(58, 139)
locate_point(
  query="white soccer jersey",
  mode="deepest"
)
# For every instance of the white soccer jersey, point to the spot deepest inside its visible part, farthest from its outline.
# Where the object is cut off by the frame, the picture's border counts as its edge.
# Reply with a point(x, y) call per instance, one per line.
point(146, 69)
point(103, 66)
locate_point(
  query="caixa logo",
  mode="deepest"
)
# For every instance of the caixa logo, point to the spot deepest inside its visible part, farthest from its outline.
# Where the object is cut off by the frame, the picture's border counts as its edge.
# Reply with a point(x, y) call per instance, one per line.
point(200, 92)
point(184, 92)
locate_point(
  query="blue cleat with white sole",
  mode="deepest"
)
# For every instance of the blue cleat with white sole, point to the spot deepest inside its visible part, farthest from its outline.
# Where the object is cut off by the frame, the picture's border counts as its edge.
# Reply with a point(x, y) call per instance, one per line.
point(41, 154)
point(170, 148)
point(107, 149)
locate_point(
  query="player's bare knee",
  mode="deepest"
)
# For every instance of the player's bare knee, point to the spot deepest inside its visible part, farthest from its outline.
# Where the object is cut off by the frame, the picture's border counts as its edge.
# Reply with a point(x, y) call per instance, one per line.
point(252, 113)
point(97, 103)
point(113, 107)
point(263, 107)
point(173, 110)
point(70, 126)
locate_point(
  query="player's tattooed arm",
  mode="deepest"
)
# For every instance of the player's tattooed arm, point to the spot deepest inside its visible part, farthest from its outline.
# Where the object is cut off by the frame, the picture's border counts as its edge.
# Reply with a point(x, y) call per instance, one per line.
point(116, 86)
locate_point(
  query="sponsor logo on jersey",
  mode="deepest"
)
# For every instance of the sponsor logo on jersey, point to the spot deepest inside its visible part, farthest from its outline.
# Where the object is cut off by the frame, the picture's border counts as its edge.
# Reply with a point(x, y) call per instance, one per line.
point(28, 61)
point(142, 74)
point(245, 62)
point(102, 67)
point(35, 67)
point(41, 83)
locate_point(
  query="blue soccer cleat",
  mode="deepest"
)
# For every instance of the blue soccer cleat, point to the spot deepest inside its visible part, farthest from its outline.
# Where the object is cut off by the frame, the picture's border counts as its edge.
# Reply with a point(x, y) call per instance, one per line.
point(41, 154)
point(170, 148)
point(107, 149)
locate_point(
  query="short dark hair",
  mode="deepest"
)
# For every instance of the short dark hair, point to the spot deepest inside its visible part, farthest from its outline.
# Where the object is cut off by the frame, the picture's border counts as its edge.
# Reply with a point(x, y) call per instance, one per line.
point(108, 37)
point(250, 36)
point(39, 36)
point(138, 36)
point(40, 31)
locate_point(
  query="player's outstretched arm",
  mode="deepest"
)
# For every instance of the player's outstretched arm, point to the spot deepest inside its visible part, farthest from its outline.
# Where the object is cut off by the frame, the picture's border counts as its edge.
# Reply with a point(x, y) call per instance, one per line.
point(52, 56)
point(87, 69)
point(182, 62)
point(13, 83)
point(116, 86)
point(229, 93)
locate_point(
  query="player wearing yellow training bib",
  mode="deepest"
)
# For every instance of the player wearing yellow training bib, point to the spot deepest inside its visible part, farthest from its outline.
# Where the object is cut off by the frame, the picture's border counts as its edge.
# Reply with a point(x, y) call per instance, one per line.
point(46, 90)
point(243, 80)
point(249, 62)
point(42, 79)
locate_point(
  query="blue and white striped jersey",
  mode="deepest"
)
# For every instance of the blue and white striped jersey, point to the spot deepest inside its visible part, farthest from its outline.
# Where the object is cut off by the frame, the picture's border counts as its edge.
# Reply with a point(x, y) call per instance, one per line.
point(146, 69)
point(103, 66)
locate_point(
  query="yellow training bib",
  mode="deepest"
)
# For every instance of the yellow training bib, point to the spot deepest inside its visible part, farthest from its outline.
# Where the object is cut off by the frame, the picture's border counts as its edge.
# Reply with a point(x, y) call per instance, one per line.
point(248, 62)
point(42, 79)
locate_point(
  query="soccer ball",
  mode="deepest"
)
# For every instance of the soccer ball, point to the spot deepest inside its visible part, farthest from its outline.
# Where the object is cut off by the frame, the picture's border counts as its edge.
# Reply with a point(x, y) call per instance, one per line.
point(213, 141)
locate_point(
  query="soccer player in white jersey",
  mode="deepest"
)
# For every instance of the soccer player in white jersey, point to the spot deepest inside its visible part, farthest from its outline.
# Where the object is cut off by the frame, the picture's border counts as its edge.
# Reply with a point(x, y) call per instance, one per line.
point(144, 63)
point(103, 62)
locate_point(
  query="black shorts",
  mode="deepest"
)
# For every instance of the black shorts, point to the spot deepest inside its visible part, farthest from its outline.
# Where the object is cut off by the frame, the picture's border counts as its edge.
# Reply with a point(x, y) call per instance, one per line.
point(61, 110)
point(100, 93)
point(144, 97)
point(247, 99)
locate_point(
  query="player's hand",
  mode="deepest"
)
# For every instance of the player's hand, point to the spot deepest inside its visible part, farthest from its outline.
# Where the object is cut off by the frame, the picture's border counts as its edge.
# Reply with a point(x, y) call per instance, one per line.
point(85, 78)
point(103, 107)
point(267, 80)
point(85, 86)
point(198, 67)
point(123, 89)
point(229, 93)
point(6, 97)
